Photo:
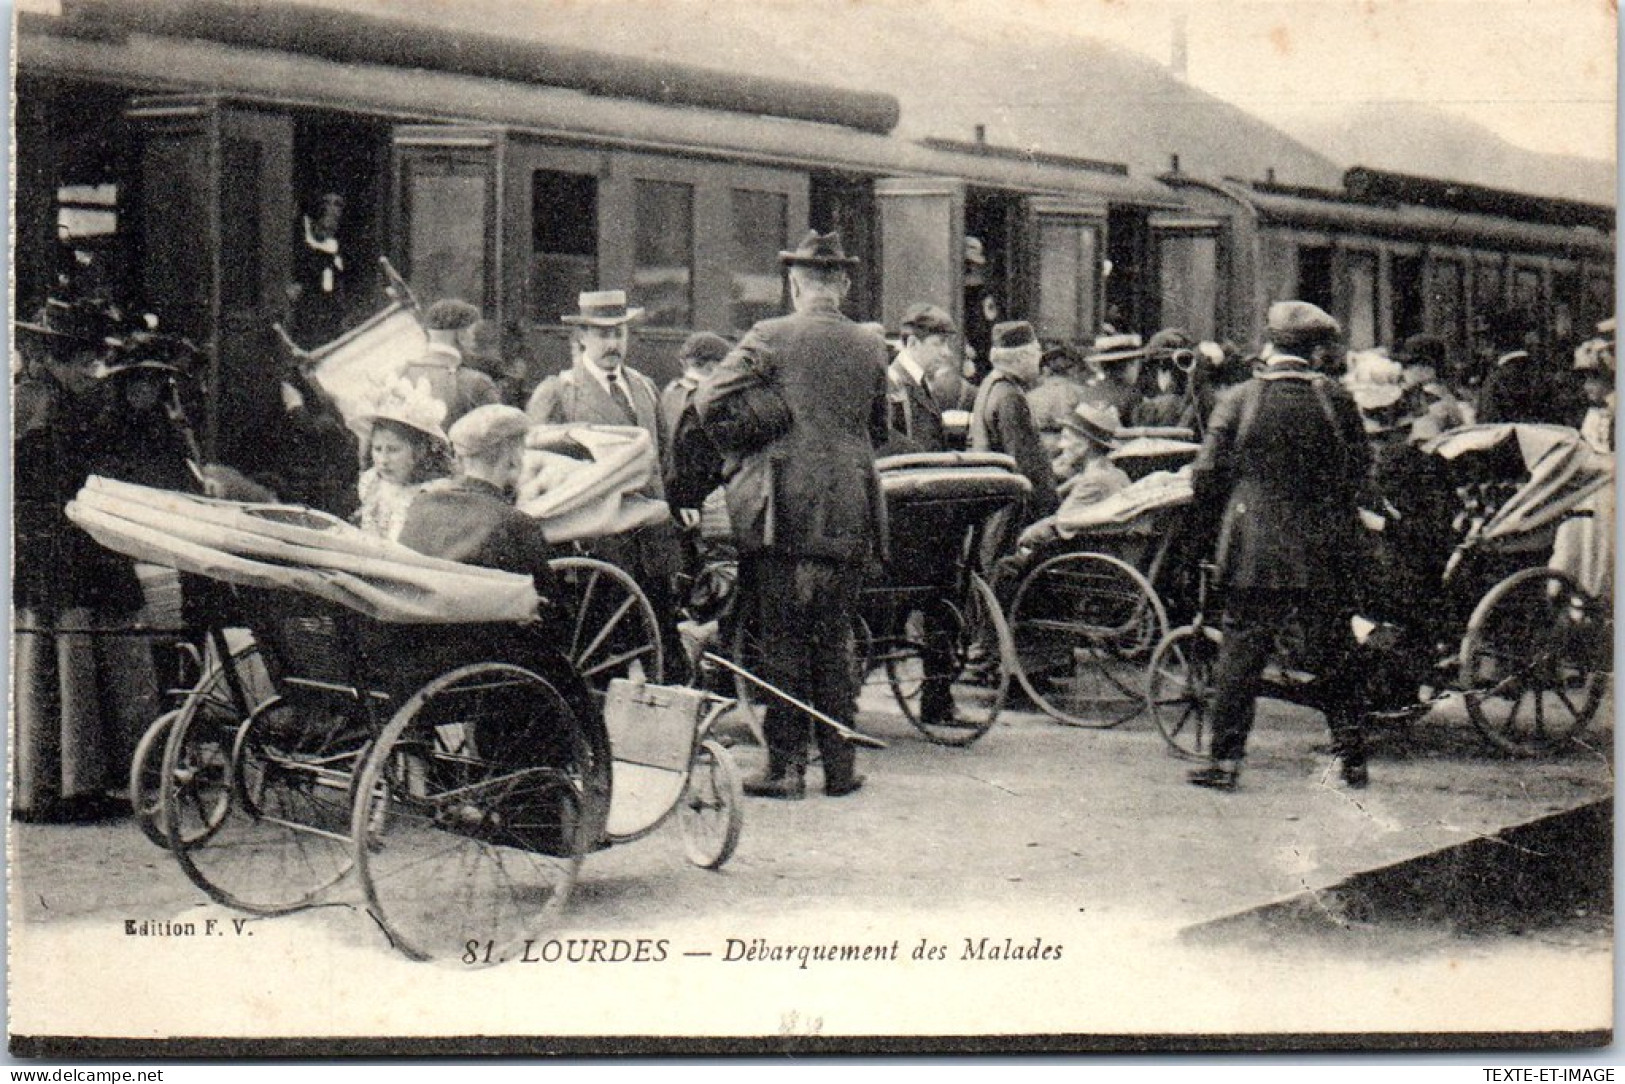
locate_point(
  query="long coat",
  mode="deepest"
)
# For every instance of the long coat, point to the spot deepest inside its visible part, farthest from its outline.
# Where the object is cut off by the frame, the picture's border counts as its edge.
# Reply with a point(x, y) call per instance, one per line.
point(813, 492)
point(1281, 467)
point(574, 397)
point(1002, 421)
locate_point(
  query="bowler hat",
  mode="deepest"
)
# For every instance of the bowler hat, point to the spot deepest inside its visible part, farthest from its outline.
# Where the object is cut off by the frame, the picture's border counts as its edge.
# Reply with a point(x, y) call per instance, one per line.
point(1422, 349)
point(1112, 349)
point(924, 320)
point(602, 308)
point(450, 314)
point(1300, 319)
point(1169, 340)
point(819, 250)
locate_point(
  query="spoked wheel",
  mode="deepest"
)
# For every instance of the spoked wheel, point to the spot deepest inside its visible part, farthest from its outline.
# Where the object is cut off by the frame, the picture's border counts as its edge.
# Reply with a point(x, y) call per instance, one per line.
point(614, 632)
point(946, 667)
point(470, 819)
point(1179, 690)
point(1085, 625)
point(1534, 662)
point(711, 812)
point(280, 843)
point(203, 763)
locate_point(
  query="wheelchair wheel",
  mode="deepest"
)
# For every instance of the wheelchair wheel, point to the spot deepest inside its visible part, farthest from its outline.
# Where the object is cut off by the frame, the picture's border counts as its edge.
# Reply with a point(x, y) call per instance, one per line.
point(1534, 662)
point(281, 842)
point(613, 628)
point(960, 651)
point(470, 817)
point(208, 752)
point(1179, 690)
point(711, 812)
point(1085, 625)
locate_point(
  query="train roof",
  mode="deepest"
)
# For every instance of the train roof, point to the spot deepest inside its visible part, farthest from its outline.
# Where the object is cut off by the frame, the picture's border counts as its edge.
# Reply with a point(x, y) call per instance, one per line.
point(1369, 208)
point(85, 46)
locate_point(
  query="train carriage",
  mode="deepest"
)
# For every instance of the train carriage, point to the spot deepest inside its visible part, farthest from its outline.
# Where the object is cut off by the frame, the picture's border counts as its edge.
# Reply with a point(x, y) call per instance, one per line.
point(168, 147)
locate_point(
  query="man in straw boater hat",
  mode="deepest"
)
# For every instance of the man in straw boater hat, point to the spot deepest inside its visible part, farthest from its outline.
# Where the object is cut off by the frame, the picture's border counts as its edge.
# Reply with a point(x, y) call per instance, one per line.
point(799, 407)
point(599, 388)
point(1116, 361)
point(1280, 472)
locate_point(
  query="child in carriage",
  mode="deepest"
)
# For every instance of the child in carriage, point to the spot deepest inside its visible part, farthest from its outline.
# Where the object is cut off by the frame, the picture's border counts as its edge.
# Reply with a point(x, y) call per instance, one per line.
point(406, 449)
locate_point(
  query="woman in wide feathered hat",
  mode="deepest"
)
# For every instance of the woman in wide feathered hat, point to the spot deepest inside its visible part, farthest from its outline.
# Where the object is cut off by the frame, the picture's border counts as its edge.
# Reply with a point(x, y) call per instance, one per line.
point(406, 450)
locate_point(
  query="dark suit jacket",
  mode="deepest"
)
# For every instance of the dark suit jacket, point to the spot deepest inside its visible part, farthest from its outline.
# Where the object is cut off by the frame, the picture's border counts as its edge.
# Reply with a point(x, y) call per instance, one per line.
point(468, 520)
point(914, 411)
point(574, 397)
point(1281, 467)
point(813, 492)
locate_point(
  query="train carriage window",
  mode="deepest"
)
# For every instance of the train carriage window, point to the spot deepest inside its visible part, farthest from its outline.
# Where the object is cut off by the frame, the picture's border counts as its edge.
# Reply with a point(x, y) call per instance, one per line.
point(1447, 298)
point(663, 271)
point(1189, 265)
point(1405, 287)
point(1068, 253)
point(446, 201)
point(564, 242)
point(1361, 272)
point(239, 200)
point(756, 283)
point(1315, 275)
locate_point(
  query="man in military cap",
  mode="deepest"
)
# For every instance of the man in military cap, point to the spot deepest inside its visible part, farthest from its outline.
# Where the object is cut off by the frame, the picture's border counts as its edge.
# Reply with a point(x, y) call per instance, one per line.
point(451, 327)
point(1282, 462)
point(1002, 421)
point(805, 502)
point(928, 345)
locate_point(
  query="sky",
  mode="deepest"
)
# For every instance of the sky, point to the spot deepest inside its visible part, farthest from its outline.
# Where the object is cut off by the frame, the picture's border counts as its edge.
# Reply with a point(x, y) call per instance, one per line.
point(1540, 73)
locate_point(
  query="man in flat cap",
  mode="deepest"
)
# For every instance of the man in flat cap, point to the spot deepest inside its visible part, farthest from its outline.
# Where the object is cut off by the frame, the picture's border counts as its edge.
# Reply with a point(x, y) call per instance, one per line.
point(1283, 460)
point(699, 354)
point(807, 511)
point(451, 327)
point(469, 518)
point(929, 344)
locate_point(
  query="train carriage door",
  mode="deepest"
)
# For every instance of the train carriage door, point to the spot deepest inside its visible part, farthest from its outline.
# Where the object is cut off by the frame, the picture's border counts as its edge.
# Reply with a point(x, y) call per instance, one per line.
point(1187, 269)
point(922, 245)
point(446, 230)
point(216, 252)
point(1063, 287)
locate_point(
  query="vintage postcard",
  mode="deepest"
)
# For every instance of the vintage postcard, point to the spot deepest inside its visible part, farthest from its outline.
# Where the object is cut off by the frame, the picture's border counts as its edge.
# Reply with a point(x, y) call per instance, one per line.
point(669, 527)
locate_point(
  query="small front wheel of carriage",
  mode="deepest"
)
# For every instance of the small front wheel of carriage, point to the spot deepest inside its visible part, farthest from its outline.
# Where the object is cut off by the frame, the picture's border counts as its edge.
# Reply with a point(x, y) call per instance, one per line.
point(1085, 625)
point(1179, 690)
point(711, 811)
point(614, 631)
point(1534, 662)
point(955, 656)
point(471, 816)
point(203, 764)
point(279, 845)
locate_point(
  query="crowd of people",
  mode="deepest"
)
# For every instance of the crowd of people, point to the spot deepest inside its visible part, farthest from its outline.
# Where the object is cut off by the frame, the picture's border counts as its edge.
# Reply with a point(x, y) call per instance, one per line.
point(776, 436)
